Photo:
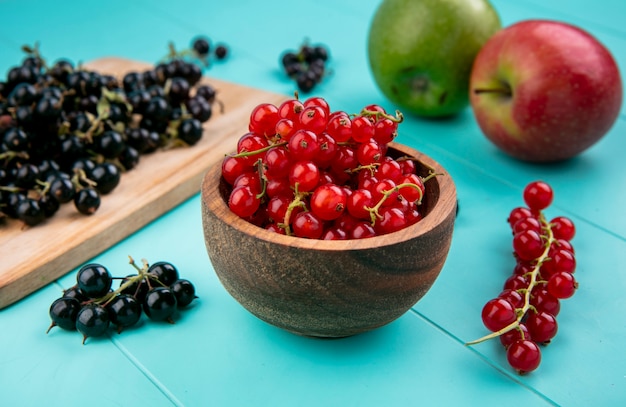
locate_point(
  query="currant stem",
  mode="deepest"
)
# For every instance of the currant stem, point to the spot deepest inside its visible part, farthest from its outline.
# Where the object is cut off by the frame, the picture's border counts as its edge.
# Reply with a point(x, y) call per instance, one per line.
point(527, 291)
point(374, 210)
point(398, 118)
point(297, 202)
point(260, 150)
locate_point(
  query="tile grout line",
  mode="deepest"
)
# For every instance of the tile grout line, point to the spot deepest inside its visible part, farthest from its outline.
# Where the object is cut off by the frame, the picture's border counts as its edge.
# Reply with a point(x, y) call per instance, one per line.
point(151, 377)
point(484, 358)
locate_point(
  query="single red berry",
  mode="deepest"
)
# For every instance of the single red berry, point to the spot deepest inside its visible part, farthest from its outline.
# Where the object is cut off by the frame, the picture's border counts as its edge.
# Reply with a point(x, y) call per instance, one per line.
point(248, 144)
point(263, 119)
point(527, 223)
point(562, 285)
point(498, 313)
point(328, 202)
point(304, 174)
point(233, 167)
point(306, 224)
point(393, 219)
point(563, 228)
point(291, 109)
point(243, 201)
point(319, 102)
point(362, 230)
point(558, 260)
point(513, 296)
point(542, 300)
point(528, 245)
point(358, 202)
point(538, 195)
point(303, 145)
point(542, 326)
point(517, 214)
point(339, 127)
point(385, 130)
point(362, 129)
point(313, 118)
point(524, 356)
point(277, 162)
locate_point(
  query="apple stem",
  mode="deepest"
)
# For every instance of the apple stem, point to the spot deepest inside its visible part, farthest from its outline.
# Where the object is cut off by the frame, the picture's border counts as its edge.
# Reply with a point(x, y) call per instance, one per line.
point(502, 91)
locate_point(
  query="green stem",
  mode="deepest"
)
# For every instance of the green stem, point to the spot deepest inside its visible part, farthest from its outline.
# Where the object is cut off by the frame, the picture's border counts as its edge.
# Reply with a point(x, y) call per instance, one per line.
point(527, 291)
point(260, 150)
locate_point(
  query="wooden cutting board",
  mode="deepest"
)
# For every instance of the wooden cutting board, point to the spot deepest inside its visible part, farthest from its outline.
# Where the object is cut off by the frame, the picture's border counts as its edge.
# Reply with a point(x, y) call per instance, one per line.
point(33, 257)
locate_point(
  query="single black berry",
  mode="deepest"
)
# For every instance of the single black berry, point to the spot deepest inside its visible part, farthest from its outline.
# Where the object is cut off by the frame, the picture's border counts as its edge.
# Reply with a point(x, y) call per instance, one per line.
point(92, 321)
point(63, 313)
point(94, 280)
point(160, 304)
point(87, 201)
point(184, 291)
point(164, 271)
point(124, 311)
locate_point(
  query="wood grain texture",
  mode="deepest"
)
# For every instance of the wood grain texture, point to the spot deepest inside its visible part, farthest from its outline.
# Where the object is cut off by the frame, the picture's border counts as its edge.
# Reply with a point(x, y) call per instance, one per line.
point(329, 288)
point(33, 257)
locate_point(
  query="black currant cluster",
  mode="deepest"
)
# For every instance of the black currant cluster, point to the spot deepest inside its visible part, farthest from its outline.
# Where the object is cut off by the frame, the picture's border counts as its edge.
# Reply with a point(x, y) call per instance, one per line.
point(201, 51)
point(307, 65)
point(92, 306)
point(68, 133)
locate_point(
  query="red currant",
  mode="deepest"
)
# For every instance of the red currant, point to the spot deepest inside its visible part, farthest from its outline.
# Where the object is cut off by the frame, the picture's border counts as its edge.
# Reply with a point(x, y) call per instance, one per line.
point(362, 129)
point(528, 245)
point(562, 285)
point(524, 356)
point(542, 326)
point(304, 145)
point(305, 175)
point(328, 202)
point(243, 201)
point(563, 228)
point(263, 119)
point(306, 224)
point(538, 195)
point(498, 313)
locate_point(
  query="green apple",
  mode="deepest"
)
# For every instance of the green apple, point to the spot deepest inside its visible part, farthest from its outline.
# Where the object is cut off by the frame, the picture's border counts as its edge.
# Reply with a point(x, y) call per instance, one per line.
point(421, 51)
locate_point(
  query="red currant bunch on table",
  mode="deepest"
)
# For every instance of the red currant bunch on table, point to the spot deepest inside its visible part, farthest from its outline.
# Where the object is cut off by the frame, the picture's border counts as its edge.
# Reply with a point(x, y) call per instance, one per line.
point(91, 306)
point(523, 315)
point(306, 171)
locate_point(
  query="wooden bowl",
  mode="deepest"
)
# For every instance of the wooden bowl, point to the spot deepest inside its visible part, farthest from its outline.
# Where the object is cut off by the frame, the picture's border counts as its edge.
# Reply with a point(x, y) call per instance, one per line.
point(329, 288)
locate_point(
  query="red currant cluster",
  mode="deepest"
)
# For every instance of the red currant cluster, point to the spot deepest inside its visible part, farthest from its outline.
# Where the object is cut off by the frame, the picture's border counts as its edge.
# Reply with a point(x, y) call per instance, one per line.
point(524, 314)
point(305, 171)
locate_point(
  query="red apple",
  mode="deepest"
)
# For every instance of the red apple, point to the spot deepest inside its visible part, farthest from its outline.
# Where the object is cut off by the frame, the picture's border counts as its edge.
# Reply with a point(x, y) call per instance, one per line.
point(544, 91)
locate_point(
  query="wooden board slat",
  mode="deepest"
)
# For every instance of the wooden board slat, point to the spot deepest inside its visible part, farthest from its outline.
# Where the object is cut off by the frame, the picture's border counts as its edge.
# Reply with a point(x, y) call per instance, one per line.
point(33, 257)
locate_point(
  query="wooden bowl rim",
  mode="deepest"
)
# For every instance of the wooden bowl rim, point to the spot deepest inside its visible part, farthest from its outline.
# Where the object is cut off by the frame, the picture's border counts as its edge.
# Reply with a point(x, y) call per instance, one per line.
point(442, 210)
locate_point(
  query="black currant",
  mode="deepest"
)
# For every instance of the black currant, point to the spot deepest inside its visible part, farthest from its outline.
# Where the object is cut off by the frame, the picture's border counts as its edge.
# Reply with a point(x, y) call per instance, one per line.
point(75, 292)
point(184, 291)
point(107, 176)
point(94, 280)
point(87, 201)
point(160, 304)
point(62, 189)
point(201, 46)
point(63, 313)
point(190, 131)
point(110, 144)
point(48, 204)
point(178, 91)
point(199, 108)
point(29, 212)
point(124, 311)
point(221, 51)
point(92, 321)
point(163, 271)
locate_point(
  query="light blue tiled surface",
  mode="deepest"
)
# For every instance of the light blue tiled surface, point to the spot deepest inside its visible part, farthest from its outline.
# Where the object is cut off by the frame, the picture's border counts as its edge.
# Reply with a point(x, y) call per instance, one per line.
point(220, 355)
